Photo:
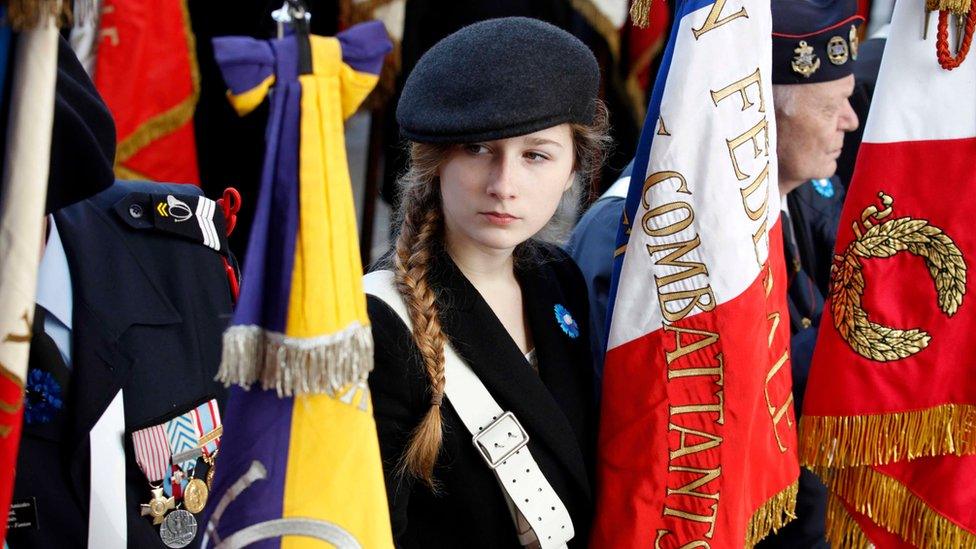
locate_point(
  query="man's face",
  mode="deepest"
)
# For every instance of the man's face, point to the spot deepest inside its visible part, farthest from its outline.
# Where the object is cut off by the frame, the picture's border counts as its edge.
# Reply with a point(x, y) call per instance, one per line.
point(810, 131)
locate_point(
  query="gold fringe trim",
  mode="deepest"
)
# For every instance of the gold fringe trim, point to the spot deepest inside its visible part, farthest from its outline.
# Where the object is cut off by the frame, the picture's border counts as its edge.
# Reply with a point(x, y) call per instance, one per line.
point(958, 7)
point(639, 13)
point(27, 14)
point(772, 515)
point(891, 505)
point(845, 441)
point(595, 18)
point(843, 532)
point(125, 172)
point(173, 118)
point(295, 365)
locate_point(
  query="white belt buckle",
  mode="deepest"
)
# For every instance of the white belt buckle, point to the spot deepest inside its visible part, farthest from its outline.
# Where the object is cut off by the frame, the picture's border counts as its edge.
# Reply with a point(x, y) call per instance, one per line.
point(500, 439)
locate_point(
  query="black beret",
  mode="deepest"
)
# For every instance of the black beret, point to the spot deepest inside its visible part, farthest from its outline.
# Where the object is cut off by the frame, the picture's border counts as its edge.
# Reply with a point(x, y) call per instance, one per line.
point(814, 40)
point(83, 136)
point(496, 79)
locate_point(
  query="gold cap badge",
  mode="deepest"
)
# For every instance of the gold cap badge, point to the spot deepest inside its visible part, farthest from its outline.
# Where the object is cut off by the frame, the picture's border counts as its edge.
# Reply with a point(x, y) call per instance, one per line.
point(837, 50)
point(805, 62)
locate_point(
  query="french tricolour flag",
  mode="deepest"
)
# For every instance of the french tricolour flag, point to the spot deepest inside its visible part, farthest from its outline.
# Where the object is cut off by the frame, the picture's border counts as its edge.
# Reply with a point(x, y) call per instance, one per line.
point(697, 437)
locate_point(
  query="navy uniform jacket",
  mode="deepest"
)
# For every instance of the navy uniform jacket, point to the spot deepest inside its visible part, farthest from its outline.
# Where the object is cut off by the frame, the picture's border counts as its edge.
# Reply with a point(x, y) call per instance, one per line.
point(591, 245)
point(149, 311)
point(555, 406)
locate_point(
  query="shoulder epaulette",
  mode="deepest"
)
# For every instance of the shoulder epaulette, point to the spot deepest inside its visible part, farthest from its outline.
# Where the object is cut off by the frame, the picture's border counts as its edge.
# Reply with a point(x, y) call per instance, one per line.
point(192, 217)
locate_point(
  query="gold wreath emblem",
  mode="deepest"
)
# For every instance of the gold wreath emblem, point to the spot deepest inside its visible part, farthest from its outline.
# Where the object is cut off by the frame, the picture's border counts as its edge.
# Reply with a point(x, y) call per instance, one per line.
point(881, 240)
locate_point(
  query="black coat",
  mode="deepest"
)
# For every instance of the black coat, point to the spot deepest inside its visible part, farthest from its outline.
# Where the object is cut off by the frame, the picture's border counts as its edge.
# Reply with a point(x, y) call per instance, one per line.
point(555, 406)
point(149, 311)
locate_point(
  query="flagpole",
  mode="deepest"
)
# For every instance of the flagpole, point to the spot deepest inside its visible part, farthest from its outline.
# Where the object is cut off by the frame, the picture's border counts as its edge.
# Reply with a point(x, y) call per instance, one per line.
point(22, 200)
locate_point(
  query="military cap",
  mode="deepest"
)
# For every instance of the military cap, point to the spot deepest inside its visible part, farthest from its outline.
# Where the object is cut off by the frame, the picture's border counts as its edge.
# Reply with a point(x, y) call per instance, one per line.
point(82, 137)
point(496, 79)
point(814, 40)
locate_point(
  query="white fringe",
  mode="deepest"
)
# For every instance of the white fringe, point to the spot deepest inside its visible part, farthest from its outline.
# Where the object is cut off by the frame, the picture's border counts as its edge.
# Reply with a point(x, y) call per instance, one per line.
point(295, 365)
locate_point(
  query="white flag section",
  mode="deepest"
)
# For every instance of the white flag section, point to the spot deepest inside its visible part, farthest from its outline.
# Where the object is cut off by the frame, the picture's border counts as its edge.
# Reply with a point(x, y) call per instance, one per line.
point(24, 192)
point(22, 197)
point(697, 436)
point(716, 130)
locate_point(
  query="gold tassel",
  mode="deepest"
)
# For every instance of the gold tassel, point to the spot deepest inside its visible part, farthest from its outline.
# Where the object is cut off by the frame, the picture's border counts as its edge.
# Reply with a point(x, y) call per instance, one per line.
point(772, 515)
point(844, 441)
point(894, 507)
point(26, 14)
point(640, 12)
point(958, 7)
point(843, 532)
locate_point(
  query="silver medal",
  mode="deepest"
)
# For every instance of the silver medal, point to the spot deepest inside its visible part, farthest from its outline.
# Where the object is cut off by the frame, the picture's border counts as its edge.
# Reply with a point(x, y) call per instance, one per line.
point(178, 529)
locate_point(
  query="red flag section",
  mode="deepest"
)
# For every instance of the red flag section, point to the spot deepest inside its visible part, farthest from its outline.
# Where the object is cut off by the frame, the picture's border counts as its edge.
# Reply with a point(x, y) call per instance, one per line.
point(685, 400)
point(146, 71)
point(889, 419)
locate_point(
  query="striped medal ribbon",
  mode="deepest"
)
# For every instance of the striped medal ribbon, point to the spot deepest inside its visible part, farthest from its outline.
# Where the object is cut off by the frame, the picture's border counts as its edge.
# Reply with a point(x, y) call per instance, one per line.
point(152, 452)
point(153, 457)
point(208, 424)
point(182, 435)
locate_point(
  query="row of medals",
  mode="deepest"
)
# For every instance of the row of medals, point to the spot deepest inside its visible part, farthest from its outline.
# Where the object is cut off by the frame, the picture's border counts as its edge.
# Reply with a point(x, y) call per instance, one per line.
point(178, 527)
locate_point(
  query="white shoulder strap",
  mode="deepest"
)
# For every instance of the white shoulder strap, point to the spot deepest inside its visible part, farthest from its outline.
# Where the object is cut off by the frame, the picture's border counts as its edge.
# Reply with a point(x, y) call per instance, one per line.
point(498, 436)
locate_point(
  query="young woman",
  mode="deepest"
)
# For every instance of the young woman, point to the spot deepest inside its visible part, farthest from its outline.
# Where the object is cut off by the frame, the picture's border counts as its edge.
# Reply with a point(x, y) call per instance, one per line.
point(482, 388)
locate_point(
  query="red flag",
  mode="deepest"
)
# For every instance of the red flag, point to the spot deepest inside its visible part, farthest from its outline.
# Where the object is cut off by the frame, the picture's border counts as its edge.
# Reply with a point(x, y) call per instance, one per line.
point(697, 436)
point(643, 46)
point(146, 71)
point(889, 417)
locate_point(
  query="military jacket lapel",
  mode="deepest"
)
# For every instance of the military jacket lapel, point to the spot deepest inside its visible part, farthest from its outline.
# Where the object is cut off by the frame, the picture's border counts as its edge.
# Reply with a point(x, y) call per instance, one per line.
point(483, 343)
point(111, 292)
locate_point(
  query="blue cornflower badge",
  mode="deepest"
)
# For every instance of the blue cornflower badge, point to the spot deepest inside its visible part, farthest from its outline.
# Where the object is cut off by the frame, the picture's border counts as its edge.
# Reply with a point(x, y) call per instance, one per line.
point(42, 399)
point(823, 186)
point(566, 321)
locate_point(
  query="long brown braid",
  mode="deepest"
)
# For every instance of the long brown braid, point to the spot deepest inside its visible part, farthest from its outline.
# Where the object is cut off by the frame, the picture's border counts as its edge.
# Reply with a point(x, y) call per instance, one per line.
point(420, 230)
point(421, 233)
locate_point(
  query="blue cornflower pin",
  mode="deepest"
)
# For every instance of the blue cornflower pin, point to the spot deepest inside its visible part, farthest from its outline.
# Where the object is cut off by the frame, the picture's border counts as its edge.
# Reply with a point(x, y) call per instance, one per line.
point(823, 186)
point(42, 398)
point(566, 321)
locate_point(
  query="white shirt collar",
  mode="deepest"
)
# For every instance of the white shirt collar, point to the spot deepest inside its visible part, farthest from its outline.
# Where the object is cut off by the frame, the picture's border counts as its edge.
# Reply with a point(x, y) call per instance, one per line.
point(54, 279)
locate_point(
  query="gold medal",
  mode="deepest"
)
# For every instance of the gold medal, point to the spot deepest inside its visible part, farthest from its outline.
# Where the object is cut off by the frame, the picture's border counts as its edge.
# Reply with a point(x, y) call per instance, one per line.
point(195, 495)
point(211, 461)
point(158, 506)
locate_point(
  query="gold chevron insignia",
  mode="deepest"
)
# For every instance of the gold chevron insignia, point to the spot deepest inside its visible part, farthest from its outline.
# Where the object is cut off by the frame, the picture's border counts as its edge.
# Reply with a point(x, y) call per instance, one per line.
point(161, 208)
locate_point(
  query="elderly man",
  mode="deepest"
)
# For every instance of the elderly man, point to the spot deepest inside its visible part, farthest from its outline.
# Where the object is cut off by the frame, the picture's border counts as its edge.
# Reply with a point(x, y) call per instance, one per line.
point(815, 46)
point(814, 52)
